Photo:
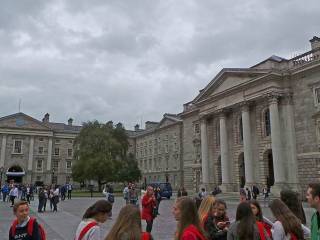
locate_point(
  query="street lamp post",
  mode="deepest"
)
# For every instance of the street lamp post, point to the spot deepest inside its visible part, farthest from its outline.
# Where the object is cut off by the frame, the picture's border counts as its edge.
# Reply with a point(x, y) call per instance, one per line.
point(52, 178)
point(1, 172)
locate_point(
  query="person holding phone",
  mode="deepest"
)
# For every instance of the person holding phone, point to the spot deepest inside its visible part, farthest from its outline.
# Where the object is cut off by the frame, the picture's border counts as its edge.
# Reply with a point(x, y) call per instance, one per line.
point(217, 223)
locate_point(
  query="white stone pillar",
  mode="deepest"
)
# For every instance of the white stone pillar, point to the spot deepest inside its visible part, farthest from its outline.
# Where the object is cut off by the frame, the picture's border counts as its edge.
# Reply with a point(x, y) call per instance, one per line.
point(30, 160)
point(204, 152)
point(247, 145)
point(225, 165)
point(49, 155)
point(290, 141)
point(3, 150)
point(278, 166)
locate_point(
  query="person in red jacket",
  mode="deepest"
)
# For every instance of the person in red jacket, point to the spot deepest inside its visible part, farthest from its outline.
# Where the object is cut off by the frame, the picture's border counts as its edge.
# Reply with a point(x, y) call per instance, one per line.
point(188, 226)
point(148, 204)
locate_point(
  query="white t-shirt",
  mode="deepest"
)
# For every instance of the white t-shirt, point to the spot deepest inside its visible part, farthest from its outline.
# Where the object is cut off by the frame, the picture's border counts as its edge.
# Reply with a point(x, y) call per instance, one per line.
point(92, 234)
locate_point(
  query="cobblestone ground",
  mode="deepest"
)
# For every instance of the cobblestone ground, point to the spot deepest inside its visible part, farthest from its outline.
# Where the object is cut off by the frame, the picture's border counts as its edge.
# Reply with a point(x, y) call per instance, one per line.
point(62, 225)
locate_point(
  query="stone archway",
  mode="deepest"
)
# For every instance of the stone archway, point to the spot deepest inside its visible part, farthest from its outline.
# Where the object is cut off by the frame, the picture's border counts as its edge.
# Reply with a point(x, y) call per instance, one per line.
point(15, 174)
point(219, 171)
point(242, 172)
point(269, 171)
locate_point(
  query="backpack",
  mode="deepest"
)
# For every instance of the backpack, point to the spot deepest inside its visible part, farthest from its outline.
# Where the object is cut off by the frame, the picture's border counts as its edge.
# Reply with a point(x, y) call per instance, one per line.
point(30, 228)
point(145, 236)
point(111, 198)
point(86, 229)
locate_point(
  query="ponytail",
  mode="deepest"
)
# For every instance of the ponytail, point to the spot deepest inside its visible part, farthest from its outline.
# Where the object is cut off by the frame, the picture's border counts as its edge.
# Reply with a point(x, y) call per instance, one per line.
point(101, 206)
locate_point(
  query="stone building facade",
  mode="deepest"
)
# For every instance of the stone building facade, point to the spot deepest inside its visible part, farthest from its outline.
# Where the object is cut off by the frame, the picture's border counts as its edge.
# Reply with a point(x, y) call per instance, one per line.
point(257, 125)
point(158, 150)
point(33, 151)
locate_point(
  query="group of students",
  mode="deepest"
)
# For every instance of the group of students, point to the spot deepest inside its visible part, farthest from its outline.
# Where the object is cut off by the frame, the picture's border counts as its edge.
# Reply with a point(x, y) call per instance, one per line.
point(10, 192)
point(208, 222)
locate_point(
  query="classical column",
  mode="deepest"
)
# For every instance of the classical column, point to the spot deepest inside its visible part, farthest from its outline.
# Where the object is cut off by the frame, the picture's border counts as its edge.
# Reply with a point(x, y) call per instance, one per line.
point(247, 145)
point(30, 160)
point(49, 154)
point(278, 167)
point(3, 150)
point(225, 166)
point(290, 141)
point(204, 152)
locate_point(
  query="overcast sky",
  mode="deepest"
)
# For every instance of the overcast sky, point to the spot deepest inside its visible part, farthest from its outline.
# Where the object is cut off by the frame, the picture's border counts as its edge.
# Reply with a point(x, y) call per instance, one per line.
point(132, 61)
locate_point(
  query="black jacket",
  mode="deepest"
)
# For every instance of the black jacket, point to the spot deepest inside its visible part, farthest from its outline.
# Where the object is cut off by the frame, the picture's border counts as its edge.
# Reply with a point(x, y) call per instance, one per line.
point(22, 233)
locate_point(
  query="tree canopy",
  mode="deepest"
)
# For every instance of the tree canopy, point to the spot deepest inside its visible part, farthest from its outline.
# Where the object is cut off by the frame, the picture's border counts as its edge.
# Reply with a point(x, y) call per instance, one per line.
point(101, 154)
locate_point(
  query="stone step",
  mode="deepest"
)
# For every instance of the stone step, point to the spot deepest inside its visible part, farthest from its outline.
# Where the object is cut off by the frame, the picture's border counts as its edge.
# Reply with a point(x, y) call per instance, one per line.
point(235, 196)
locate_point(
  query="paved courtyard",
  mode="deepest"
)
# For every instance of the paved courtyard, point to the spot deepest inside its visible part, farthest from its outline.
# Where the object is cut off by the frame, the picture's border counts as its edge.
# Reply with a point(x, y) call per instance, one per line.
point(62, 225)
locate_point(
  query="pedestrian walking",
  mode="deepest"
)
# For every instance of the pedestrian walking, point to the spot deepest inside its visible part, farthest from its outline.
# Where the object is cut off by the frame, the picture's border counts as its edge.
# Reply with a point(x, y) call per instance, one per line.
point(55, 199)
point(126, 193)
point(182, 192)
point(25, 227)
point(5, 191)
point(41, 197)
point(69, 189)
point(313, 198)
point(108, 192)
point(63, 190)
point(133, 195)
point(28, 193)
point(188, 224)
point(45, 190)
point(128, 226)
point(246, 227)
point(287, 225)
point(13, 194)
point(148, 203)
point(89, 227)
point(265, 193)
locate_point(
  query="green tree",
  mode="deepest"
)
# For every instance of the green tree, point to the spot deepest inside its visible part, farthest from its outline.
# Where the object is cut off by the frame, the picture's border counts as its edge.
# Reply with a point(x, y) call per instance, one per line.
point(129, 171)
point(99, 153)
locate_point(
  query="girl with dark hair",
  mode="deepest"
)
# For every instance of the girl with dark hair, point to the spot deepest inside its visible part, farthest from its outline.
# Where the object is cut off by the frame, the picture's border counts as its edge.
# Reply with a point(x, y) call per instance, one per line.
point(128, 225)
point(188, 226)
point(257, 212)
point(246, 226)
point(287, 225)
point(89, 228)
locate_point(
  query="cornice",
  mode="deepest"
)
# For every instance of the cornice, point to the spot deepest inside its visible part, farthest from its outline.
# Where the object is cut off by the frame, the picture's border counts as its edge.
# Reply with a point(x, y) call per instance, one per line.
point(26, 132)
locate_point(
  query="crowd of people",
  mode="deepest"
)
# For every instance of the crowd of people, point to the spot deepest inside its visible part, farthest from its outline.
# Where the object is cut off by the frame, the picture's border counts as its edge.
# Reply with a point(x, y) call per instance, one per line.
point(206, 219)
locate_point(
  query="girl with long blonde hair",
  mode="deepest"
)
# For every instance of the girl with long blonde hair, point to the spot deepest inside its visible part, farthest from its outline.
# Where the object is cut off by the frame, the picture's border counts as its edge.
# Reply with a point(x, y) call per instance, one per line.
point(206, 208)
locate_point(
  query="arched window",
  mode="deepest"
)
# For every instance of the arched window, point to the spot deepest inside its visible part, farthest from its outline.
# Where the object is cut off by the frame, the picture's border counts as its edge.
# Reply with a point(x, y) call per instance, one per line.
point(218, 132)
point(267, 123)
point(240, 130)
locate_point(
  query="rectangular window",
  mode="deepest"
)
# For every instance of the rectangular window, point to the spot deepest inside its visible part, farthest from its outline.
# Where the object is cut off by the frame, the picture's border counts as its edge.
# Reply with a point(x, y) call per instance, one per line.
point(55, 165)
point(196, 128)
point(56, 151)
point(68, 165)
point(317, 95)
point(40, 150)
point(41, 139)
point(17, 146)
point(71, 141)
point(57, 141)
point(70, 152)
point(39, 164)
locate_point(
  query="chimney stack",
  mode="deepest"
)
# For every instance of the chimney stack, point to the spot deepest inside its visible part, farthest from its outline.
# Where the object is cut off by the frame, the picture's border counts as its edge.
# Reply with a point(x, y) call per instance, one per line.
point(315, 42)
point(46, 118)
point(137, 127)
point(70, 120)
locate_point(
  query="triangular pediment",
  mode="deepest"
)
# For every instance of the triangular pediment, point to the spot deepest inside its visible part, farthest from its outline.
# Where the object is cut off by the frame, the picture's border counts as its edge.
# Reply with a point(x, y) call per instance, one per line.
point(168, 119)
point(22, 121)
point(228, 79)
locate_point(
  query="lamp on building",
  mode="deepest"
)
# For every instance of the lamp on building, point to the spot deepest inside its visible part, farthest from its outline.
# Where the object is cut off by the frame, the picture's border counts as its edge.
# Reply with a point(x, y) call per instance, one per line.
point(1, 172)
point(52, 177)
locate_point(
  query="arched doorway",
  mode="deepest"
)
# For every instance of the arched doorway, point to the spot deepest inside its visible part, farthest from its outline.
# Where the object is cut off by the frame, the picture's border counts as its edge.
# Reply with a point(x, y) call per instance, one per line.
point(242, 172)
point(15, 174)
point(219, 171)
point(268, 160)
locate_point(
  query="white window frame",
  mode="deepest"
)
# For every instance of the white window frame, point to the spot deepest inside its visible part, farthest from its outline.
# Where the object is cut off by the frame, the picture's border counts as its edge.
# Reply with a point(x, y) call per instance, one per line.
point(39, 169)
point(57, 141)
point(315, 96)
point(71, 155)
point(14, 146)
point(54, 152)
point(68, 169)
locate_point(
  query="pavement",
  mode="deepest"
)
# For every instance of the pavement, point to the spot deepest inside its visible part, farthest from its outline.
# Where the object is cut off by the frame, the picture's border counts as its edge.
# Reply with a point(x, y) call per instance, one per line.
point(63, 224)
